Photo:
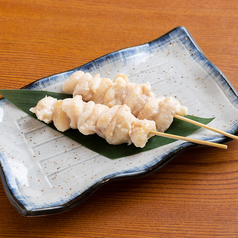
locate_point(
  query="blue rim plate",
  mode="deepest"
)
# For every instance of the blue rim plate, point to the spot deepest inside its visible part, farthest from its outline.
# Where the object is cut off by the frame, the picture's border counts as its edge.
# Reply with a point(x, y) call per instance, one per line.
point(45, 173)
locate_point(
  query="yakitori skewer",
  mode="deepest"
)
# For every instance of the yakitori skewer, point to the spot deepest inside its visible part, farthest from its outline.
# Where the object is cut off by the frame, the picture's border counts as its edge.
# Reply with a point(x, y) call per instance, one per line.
point(138, 97)
point(116, 124)
point(143, 103)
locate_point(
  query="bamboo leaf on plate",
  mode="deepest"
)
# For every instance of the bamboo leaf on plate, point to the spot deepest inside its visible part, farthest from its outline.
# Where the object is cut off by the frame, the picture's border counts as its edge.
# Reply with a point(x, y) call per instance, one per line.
point(24, 99)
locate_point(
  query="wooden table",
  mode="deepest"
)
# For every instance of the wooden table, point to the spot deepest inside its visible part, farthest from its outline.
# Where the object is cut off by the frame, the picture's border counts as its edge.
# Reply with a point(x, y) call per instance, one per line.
point(195, 195)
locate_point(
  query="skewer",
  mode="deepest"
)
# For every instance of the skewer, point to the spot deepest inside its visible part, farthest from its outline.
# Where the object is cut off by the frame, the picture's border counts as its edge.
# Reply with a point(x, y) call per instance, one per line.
point(138, 97)
point(207, 127)
point(201, 142)
point(120, 91)
point(64, 116)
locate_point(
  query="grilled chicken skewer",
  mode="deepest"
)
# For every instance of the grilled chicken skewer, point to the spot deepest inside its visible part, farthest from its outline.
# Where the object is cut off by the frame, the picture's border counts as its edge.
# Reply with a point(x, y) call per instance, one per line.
point(116, 124)
point(143, 103)
point(138, 97)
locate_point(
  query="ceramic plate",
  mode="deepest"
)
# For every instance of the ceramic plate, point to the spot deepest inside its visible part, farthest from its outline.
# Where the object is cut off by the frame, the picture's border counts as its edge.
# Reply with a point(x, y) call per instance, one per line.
point(44, 172)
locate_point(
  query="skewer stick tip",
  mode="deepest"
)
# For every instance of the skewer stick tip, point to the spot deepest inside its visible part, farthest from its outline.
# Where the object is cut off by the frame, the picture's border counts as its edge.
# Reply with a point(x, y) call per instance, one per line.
point(206, 127)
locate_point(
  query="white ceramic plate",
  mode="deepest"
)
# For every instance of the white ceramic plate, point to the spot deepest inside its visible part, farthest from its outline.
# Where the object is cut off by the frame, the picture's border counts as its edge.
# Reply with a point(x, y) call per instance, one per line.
point(44, 172)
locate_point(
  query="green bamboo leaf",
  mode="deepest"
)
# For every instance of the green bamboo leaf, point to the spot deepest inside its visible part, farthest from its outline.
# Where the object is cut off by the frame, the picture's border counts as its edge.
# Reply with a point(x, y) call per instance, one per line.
point(24, 99)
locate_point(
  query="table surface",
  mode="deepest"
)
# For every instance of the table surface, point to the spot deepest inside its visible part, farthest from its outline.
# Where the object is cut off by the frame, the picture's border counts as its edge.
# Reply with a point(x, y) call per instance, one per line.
point(196, 194)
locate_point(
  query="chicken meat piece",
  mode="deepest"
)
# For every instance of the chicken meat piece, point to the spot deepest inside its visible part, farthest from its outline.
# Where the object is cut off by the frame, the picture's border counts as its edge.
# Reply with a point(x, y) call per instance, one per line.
point(43, 109)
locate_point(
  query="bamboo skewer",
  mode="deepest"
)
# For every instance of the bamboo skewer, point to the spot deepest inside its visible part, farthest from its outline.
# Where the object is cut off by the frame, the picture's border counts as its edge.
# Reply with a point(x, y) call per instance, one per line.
point(206, 127)
point(201, 142)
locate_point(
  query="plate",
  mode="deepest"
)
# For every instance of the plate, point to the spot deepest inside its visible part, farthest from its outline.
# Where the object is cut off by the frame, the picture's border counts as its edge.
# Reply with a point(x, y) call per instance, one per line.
point(44, 172)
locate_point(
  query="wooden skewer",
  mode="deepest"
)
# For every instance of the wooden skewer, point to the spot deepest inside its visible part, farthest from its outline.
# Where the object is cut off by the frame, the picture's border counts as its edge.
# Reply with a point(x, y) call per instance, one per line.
point(207, 127)
point(221, 146)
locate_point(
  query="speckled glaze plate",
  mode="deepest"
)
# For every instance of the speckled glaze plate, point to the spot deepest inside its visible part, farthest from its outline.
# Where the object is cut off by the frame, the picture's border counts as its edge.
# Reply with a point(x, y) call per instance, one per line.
point(44, 172)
